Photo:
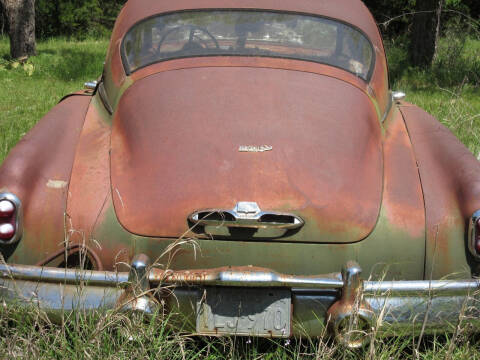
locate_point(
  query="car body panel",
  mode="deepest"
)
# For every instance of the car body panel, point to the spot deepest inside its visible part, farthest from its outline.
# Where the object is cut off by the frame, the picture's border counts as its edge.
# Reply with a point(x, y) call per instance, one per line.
point(176, 120)
point(394, 250)
point(450, 176)
point(38, 171)
point(89, 185)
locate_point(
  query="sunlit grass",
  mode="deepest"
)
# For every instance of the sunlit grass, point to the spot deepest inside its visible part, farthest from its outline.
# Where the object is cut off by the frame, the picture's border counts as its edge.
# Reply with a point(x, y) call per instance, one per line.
point(27, 334)
point(458, 109)
point(60, 68)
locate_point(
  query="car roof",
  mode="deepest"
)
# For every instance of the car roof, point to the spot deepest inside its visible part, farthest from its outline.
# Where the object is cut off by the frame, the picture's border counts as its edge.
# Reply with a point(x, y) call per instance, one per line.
point(349, 11)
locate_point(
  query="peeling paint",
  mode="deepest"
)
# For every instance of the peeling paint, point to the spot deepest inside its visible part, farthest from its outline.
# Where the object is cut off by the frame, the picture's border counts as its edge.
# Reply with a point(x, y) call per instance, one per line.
point(57, 184)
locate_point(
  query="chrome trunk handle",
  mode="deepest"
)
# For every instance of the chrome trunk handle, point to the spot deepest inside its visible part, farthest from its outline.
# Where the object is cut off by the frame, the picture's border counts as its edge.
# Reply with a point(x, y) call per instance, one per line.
point(246, 215)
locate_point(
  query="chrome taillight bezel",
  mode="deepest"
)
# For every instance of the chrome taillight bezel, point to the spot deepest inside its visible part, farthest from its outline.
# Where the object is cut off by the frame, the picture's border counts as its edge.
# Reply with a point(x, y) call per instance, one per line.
point(472, 234)
point(18, 218)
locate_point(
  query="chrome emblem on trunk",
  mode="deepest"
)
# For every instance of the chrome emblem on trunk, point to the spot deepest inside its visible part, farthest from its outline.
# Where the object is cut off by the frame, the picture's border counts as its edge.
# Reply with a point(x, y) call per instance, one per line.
point(246, 209)
point(255, 149)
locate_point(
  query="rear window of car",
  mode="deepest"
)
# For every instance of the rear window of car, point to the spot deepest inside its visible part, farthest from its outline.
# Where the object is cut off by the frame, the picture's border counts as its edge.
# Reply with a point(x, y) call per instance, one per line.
point(247, 33)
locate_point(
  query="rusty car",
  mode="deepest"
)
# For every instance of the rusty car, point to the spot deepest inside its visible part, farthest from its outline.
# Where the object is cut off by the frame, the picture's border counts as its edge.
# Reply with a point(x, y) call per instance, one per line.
point(250, 157)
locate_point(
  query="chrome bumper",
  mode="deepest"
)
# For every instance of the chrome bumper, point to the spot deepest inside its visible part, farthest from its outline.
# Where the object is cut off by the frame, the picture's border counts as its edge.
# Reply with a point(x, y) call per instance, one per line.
point(352, 310)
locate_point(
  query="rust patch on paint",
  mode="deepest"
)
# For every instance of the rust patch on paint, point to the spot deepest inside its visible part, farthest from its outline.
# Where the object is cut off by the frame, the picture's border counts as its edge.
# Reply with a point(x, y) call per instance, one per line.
point(403, 197)
point(450, 177)
point(169, 152)
point(89, 184)
point(57, 184)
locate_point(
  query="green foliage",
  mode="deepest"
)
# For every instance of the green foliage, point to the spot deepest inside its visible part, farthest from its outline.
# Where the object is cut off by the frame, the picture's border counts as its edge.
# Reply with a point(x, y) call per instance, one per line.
point(46, 19)
point(76, 15)
point(388, 15)
point(395, 16)
point(456, 63)
point(76, 18)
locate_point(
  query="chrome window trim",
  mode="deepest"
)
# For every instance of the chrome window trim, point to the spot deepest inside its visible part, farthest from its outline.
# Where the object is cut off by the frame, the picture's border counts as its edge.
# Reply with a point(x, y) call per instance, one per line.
point(102, 92)
point(368, 78)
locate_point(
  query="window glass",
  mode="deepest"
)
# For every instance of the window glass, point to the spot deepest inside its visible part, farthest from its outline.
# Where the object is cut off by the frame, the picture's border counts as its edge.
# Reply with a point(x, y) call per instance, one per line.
point(247, 33)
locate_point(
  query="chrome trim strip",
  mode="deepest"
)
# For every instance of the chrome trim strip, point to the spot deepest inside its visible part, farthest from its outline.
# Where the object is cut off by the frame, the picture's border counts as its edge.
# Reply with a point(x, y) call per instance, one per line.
point(412, 315)
point(19, 218)
point(418, 287)
point(62, 276)
point(246, 215)
point(243, 277)
point(57, 300)
point(389, 108)
point(103, 96)
point(211, 277)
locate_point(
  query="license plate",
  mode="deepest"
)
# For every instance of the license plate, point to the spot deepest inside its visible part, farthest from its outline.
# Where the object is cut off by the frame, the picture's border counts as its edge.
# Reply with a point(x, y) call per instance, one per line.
point(245, 312)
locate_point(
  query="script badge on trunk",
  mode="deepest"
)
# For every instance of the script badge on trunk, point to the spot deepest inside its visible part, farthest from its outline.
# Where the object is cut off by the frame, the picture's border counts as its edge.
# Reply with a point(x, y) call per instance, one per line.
point(255, 149)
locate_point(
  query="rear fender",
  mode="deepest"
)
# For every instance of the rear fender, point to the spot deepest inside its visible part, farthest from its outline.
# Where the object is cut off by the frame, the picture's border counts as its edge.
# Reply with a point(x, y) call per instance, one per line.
point(450, 177)
point(38, 171)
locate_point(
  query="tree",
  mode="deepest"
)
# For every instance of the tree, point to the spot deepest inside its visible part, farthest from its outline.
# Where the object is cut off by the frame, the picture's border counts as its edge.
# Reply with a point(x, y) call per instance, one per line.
point(388, 15)
point(425, 30)
point(76, 18)
point(20, 16)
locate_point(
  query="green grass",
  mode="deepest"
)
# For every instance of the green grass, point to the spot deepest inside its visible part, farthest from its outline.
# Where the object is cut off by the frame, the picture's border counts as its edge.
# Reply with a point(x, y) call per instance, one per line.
point(29, 335)
point(62, 67)
point(450, 90)
point(458, 109)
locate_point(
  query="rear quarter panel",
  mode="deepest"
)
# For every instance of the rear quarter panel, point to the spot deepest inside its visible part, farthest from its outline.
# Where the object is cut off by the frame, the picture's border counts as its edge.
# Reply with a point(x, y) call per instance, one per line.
point(450, 177)
point(38, 171)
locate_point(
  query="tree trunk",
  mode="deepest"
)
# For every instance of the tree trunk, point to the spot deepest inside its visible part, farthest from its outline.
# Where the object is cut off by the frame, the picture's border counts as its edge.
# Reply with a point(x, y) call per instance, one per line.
point(423, 40)
point(2, 20)
point(437, 31)
point(20, 16)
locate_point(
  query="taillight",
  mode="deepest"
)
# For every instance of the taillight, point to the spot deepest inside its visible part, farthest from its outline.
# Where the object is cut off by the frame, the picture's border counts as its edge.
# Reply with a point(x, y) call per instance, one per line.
point(10, 219)
point(7, 231)
point(476, 235)
point(7, 209)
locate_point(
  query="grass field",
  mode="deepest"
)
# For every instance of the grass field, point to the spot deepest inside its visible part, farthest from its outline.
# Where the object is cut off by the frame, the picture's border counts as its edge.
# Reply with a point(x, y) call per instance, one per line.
point(28, 92)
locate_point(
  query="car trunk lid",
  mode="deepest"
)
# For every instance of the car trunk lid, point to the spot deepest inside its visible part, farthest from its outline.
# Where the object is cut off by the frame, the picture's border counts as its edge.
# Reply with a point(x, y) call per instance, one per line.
point(289, 142)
